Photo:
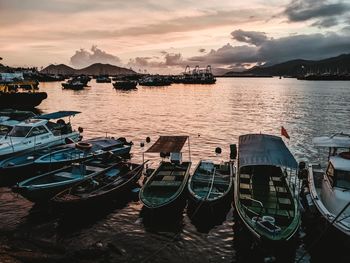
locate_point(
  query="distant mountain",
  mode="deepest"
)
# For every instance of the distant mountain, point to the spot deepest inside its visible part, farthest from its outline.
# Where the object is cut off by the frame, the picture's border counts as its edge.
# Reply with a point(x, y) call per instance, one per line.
point(58, 69)
point(94, 69)
point(339, 64)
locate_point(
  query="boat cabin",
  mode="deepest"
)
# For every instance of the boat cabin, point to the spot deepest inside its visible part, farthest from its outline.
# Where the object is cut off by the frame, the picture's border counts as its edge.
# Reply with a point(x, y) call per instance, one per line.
point(338, 171)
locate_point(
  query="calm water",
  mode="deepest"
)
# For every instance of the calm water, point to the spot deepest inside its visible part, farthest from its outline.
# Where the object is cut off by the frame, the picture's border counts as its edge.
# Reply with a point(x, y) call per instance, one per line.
point(212, 115)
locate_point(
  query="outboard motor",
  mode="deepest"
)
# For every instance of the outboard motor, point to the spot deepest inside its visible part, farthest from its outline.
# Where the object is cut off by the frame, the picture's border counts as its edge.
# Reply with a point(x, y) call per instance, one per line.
point(233, 151)
point(303, 172)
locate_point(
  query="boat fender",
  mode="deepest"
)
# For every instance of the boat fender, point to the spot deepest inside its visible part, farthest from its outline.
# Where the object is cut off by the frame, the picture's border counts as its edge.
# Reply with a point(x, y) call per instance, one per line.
point(142, 144)
point(83, 145)
point(233, 151)
point(218, 150)
point(80, 129)
point(148, 139)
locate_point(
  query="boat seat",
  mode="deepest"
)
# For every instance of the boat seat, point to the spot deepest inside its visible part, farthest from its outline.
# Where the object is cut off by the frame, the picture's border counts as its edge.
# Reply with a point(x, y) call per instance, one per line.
point(246, 176)
point(67, 175)
point(168, 178)
point(178, 173)
point(94, 168)
point(164, 173)
point(166, 183)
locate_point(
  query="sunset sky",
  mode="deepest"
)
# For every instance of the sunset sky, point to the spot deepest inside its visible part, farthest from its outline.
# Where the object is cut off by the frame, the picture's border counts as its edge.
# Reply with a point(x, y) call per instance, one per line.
point(165, 36)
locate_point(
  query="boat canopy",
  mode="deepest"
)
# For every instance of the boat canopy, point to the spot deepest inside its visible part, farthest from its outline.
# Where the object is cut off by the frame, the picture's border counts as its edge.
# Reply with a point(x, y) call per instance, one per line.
point(340, 140)
point(263, 149)
point(57, 115)
point(168, 144)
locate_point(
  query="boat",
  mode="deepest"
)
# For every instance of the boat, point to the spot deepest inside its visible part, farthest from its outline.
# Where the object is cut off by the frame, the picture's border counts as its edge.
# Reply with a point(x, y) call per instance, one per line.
point(155, 80)
point(81, 151)
point(103, 79)
point(197, 76)
point(100, 189)
point(37, 133)
point(125, 84)
point(42, 188)
point(10, 117)
point(264, 194)
point(328, 188)
point(10, 97)
point(20, 166)
point(211, 185)
point(165, 189)
point(73, 84)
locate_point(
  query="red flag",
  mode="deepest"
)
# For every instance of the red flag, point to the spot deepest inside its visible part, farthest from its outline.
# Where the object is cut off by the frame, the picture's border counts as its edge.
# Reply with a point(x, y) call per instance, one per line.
point(284, 132)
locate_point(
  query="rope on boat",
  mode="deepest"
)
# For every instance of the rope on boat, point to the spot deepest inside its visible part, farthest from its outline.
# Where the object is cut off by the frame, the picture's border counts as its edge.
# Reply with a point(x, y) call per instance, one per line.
point(324, 231)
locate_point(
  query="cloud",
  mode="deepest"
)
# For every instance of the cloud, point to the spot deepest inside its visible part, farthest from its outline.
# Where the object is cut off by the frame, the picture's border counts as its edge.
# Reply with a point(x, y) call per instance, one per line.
point(325, 23)
point(168, 60)
point(276, 50)
point(250, 37)
point(304, 10)
point(83, 58)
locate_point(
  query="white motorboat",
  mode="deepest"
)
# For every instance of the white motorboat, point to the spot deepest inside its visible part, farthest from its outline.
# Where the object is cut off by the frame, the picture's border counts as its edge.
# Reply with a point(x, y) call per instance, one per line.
point(37, 133)
point(329, 188)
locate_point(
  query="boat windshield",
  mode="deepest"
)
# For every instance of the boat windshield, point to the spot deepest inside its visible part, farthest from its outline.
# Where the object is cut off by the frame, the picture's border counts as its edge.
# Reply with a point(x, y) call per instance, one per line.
point(343, 179)
point(19, 131)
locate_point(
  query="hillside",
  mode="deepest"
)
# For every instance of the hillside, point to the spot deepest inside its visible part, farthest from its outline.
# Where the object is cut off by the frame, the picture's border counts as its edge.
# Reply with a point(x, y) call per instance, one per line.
point(339, 64)
point(94, 69)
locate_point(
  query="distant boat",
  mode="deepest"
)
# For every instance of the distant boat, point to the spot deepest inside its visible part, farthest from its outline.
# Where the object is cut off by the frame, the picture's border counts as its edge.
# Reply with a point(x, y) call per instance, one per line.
point(125, 84)
point(155, 80)
point(329, 189)
point(103, 79)
point(211, 185)
point(37, 133)
point(197, 76)
point(100, 189)
point(165, 189)
point(42, 188)
point(73, 84)
point(264, 197)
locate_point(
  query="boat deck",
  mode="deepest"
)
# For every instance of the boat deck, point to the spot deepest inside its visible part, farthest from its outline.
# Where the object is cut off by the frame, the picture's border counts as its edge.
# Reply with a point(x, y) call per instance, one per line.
point(274, 196)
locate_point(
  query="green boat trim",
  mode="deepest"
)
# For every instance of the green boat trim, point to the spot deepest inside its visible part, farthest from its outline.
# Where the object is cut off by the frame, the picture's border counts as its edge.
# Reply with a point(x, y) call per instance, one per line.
point(263, 196)
point(211, 182)
point(165, 184)
point(276, 200)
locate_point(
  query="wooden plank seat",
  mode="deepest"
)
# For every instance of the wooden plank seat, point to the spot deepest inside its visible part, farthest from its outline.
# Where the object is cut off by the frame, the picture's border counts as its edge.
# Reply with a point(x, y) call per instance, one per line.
point(94, 168)
point(165, 183)
point(67, 175)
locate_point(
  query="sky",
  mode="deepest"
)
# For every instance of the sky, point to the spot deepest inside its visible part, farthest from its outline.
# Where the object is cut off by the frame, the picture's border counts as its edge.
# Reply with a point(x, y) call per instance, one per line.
point(165, 36)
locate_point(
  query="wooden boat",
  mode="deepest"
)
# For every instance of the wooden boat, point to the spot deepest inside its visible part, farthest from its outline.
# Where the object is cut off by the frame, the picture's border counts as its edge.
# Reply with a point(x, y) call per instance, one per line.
point(125, 84)
point(43, 187)
point(210, 185)
point(81, 151)
point(328, 188)
point(99, 189)
point(166, 187)
point(263, 197)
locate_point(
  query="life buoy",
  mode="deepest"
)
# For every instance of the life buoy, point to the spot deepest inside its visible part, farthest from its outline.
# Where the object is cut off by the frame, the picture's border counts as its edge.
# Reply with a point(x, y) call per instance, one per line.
point(345, 155)
point(83, 145)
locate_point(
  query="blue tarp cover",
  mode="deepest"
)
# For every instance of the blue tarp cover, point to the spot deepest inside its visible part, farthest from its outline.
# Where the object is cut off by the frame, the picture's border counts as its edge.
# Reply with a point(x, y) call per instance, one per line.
point(263, 149)
point(57, 115)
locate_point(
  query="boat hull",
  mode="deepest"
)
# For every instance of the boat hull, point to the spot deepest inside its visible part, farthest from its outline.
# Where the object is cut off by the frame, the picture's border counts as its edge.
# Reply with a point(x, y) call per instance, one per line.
point(21, 100)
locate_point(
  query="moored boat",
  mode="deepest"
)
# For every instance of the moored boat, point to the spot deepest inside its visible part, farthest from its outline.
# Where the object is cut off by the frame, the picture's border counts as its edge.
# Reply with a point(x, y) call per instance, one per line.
point(264, 196)
point(100, 189)
point(165, 189)
point(328, 187)
point(42, 188)
point(125, 84)
point(210, 185)
point(37, 133)
point(81, 151)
